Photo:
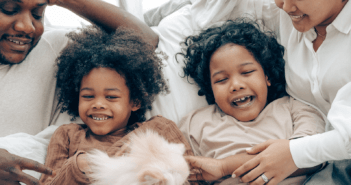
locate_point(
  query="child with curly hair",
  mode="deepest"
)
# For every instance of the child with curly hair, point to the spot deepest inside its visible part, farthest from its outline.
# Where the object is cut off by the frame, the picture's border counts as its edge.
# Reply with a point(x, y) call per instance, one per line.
point(109, 81)
point(240, 70)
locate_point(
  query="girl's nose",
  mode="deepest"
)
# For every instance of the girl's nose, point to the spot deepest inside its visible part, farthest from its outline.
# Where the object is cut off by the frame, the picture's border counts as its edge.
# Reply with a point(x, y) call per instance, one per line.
point(99, 104)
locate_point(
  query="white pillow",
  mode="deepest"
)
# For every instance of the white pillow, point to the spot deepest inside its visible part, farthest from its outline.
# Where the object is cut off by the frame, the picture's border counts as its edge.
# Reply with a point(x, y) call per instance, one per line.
point(183, 98)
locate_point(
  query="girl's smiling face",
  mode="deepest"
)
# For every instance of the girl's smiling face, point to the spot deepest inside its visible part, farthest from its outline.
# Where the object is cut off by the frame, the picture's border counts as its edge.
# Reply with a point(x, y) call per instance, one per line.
point(238, 82)
point(104, 103)
point(306, 14)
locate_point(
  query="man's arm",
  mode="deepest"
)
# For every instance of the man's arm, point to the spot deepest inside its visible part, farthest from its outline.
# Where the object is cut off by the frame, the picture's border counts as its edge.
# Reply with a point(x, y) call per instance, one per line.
point(107, 16)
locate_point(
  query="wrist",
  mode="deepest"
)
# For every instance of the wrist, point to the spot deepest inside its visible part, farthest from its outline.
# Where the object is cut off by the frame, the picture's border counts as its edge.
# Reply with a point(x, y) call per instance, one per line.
point(224, 167)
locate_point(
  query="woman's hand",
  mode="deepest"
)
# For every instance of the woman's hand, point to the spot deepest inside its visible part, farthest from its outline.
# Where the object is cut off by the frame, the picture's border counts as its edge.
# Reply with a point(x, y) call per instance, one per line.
point(274, 161)
point(11, 167)
point(211, 169)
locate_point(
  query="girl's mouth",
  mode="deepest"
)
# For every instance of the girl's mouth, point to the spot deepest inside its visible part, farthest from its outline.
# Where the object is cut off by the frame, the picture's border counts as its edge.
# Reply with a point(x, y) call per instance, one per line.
point(243, 102)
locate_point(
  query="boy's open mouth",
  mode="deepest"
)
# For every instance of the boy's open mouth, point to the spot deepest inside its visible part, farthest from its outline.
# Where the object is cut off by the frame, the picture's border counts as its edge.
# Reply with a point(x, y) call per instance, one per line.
point(243, 102)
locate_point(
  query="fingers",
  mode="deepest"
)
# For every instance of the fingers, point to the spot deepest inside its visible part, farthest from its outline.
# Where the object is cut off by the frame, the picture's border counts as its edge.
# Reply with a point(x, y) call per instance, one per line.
point(260, 147)
point(255, 174)
point(5, 182)
point(33, 165)
point(195, 161)
point(14, 176)
point(249, 165)
point(196, 177)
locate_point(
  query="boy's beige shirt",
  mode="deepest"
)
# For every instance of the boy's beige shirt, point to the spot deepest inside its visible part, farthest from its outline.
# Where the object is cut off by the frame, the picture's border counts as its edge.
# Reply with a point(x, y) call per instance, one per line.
point(212, 133)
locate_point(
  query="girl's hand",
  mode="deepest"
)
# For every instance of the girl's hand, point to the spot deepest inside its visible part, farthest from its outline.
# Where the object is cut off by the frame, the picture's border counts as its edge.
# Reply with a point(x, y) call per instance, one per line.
point(125, 149)
point(274, 161)
point(83, 163)
point(211, 169)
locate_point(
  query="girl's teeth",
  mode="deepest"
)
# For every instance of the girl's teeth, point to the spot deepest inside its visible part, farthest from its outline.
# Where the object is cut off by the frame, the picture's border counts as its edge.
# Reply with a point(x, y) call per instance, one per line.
point(99, 119)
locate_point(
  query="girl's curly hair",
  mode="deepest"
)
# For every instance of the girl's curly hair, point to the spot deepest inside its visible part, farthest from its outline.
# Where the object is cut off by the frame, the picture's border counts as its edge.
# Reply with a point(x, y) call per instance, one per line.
point(197, 51)
point(123, 51)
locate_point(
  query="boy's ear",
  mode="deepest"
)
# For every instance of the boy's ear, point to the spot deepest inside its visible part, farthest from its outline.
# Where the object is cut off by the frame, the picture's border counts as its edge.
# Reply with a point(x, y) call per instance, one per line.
point(268, 81)
point(136, 105)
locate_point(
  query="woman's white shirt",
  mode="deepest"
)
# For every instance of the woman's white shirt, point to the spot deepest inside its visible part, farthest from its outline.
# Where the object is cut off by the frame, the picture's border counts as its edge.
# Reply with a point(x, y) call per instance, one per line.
point(312, 77)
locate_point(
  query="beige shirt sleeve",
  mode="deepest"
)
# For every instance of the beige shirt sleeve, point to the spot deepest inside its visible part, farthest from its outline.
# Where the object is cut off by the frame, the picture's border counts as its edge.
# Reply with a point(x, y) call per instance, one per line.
point(191, 131)
point(307, 121)
point(66, 168)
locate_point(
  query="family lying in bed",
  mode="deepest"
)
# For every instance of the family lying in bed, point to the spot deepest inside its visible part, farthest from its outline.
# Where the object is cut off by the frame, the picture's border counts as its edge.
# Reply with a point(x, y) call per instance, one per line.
point(250, 129)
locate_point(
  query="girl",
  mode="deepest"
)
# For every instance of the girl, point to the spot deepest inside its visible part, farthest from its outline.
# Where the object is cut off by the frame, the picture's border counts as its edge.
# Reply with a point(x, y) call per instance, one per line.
point(109, 81)
point(240, 70)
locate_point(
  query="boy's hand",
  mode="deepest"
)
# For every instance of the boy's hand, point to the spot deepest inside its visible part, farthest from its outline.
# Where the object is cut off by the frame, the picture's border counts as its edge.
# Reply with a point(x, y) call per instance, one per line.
point(212, 169)
point(11, 167)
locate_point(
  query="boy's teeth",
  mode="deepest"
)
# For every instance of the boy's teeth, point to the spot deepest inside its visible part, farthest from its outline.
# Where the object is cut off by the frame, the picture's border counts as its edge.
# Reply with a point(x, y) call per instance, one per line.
point(241, 99)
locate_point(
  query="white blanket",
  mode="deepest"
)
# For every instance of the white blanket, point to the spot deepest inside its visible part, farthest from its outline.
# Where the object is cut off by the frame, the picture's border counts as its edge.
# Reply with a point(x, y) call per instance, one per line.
point(29, 146)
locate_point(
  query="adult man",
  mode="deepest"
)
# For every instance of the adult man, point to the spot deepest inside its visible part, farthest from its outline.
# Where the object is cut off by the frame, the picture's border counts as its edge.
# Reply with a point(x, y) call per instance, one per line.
point(27, 69)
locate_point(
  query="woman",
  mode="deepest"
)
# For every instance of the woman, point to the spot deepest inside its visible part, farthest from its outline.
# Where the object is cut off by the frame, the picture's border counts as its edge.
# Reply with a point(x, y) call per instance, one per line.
point(317, 38)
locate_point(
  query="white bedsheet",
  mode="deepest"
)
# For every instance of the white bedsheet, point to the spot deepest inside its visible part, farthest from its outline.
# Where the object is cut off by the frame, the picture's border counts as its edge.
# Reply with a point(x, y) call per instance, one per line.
point(29, 146)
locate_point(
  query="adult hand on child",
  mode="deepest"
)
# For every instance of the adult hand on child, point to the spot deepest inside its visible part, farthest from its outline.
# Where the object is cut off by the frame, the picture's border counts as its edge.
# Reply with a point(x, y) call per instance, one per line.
point(211, 169)
point(11, 167)
point(274, 161)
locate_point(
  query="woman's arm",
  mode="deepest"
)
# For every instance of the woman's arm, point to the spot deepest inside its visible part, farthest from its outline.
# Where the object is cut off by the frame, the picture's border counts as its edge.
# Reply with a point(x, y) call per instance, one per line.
point(307, 151)
point(107, 16)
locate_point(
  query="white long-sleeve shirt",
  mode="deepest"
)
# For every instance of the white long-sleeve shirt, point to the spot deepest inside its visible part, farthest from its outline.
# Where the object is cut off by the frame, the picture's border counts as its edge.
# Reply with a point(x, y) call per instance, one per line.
point(317, 78)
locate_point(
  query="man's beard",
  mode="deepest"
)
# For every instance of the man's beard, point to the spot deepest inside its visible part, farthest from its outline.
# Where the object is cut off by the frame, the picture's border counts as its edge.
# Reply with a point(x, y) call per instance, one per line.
point(4, 61)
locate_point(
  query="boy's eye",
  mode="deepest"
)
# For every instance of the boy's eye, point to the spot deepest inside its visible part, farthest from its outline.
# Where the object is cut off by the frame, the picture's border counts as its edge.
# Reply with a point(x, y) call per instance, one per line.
point(221, 80)
point(87, 96)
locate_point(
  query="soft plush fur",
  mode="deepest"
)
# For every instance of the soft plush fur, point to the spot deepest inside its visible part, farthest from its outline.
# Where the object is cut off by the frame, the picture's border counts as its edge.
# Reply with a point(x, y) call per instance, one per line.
point(152, 160)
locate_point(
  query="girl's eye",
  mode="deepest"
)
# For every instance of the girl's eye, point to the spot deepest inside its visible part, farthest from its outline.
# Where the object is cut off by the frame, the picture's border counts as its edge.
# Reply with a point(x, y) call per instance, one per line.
point(248, 72)
point(111, 97)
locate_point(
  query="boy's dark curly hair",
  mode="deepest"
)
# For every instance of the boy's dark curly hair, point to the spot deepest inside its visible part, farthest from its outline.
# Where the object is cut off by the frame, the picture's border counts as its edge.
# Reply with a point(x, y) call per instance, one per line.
point(197, 51)
point(123, 51)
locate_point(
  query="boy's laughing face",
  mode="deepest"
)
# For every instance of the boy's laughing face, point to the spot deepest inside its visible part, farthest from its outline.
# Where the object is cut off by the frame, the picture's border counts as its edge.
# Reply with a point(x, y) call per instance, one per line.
point(239, 84)
point(21, 26)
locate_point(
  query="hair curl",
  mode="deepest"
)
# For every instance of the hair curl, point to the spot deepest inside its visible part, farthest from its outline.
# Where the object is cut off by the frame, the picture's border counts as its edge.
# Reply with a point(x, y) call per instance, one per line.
point(198, 49)
point(123, 51)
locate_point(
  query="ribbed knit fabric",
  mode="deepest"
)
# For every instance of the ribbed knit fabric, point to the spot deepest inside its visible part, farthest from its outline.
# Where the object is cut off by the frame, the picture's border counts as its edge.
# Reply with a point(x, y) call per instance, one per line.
point(70, 140)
